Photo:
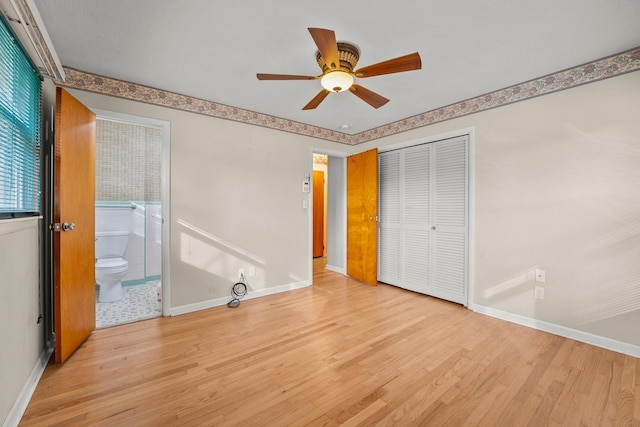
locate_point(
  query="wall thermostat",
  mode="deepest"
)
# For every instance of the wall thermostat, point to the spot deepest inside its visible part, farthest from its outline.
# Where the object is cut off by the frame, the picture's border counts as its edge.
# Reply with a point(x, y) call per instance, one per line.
point(306, 184)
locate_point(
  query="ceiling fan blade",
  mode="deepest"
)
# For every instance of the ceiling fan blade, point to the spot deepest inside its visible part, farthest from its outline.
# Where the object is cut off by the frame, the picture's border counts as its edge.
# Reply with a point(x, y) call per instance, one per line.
point(396, 65)
point(370, 97)
point(327, 45)
point(316, 100)
point(262, 76)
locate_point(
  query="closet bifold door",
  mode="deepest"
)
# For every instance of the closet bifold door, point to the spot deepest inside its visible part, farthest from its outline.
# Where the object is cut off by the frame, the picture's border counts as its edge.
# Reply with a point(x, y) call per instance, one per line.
point(416, 218)
point(450, 226)
point(389, 218)
point(423, 218)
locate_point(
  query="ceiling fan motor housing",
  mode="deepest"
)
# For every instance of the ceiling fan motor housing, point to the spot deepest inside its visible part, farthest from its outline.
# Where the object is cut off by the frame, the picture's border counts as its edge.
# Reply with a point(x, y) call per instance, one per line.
point(349, 55)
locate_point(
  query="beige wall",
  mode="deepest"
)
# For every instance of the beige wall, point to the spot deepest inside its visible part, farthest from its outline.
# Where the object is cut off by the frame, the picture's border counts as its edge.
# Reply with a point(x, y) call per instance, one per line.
point(556, 181)
point(557, 187)
point(236, 202)
point(22, 339)
point(21, 334)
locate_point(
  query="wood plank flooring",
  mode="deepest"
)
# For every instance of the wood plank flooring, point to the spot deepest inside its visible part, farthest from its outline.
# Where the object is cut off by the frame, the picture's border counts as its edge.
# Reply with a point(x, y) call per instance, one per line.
point(336, 353)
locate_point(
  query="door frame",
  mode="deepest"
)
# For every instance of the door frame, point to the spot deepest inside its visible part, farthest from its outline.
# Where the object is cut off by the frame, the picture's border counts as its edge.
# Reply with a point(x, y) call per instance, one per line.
point(165, 190)
point(343, 225)
point(470, 132)
point(319, 215)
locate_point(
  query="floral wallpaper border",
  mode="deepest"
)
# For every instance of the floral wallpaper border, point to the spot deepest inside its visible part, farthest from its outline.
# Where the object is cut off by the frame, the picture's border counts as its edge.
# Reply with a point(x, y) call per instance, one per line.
point(605, 68)
point(611, 66)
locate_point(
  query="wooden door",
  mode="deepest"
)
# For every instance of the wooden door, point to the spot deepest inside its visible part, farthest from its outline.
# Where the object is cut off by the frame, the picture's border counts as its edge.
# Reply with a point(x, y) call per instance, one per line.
point(74, 209)
point(318, 214)
point(362, 216)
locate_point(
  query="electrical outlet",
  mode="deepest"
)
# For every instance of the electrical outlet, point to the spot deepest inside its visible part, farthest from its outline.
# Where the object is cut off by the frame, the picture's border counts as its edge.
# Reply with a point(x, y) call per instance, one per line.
point(252, 271)
point(540, 275)
point(241, 272)
point(539, 292)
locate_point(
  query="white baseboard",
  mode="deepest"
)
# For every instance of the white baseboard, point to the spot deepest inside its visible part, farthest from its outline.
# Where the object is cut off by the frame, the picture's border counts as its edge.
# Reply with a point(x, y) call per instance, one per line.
point(336, 269)
point(183, 309)
point(563, 331)
point(17, 411)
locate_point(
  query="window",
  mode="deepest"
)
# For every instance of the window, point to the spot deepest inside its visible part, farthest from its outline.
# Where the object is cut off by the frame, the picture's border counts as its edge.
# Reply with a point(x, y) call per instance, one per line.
point(19, 130)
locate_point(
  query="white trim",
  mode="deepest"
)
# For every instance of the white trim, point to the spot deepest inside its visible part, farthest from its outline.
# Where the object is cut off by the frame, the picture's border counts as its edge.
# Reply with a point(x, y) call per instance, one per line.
point(336, 269)
point(339, 154)
point(20, 405)
point(13, 225)
point(328, 152)
point(309, 201)
point(32, 36)
point(202, 305)
point(563, 331)
point(165, 183)
point(471, 212)
point(427, 139)
point(129, 118)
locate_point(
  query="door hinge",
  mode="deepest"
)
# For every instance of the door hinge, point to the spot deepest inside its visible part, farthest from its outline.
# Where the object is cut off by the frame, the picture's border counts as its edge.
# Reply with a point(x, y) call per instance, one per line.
point(55, 227)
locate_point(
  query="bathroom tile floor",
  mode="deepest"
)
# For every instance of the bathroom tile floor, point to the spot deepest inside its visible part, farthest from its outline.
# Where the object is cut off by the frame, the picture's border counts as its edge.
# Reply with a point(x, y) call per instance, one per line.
point(139, 302)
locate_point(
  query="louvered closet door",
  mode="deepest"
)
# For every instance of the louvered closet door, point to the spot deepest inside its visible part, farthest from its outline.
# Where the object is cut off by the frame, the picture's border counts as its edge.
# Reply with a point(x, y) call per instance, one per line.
point(404, 218)
point(416, 218)
point(450, 220)
point(423, 227)
point(389, 218)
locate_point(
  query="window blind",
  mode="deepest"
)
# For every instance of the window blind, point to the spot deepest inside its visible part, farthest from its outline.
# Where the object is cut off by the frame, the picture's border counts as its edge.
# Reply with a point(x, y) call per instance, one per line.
point(20, 88)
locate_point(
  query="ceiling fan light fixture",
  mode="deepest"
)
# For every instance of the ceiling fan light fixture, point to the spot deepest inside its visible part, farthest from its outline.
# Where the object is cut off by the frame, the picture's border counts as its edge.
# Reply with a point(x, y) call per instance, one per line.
point(337, 60)
point(336, 81)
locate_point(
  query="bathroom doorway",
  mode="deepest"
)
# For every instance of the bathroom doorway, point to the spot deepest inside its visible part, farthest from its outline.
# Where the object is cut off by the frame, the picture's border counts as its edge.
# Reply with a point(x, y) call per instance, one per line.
point(131, 200)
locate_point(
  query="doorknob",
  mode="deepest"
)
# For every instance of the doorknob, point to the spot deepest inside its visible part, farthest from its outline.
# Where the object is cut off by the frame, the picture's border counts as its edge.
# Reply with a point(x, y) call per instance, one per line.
point(68, 227)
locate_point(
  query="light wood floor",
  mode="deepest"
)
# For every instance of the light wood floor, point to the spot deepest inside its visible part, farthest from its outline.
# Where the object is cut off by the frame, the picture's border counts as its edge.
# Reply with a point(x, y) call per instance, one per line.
point(338, 352)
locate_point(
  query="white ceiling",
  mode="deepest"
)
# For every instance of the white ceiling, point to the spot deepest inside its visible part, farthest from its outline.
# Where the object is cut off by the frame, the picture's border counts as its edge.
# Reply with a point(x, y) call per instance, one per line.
point(213, 49)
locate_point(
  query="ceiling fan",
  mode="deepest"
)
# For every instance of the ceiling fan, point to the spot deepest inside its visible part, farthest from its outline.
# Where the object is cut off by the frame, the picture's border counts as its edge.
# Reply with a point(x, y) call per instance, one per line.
point(337, 61)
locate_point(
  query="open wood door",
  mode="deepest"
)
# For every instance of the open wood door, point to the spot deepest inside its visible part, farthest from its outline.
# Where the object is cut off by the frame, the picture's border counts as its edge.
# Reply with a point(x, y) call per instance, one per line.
point(362, 216)
point(318, 214)
point(74, 225)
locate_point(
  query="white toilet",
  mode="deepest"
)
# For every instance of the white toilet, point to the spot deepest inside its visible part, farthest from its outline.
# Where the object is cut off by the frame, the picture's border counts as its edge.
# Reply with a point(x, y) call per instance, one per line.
point(111, 267)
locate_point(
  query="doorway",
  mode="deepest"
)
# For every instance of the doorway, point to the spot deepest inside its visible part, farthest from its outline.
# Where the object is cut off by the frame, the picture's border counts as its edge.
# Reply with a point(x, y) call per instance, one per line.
point(131, 195)
point(319, 212)
point(333, 166)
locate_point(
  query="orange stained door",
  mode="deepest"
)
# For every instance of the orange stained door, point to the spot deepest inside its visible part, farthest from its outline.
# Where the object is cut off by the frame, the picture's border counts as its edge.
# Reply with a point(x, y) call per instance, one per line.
point(74, 209)
point(362, 216)
point(318, 214)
